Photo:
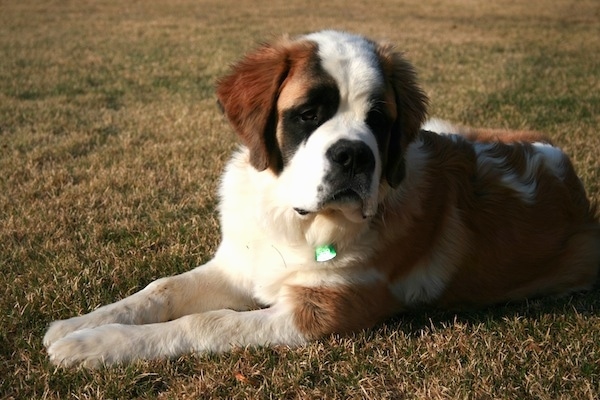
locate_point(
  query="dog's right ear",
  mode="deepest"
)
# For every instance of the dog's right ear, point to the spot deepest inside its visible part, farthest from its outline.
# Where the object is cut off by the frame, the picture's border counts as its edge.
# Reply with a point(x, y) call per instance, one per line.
point(248, 97)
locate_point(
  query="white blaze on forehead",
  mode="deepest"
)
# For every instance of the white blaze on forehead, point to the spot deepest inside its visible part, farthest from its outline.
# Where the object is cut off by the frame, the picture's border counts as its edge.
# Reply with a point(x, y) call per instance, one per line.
point(352, 61)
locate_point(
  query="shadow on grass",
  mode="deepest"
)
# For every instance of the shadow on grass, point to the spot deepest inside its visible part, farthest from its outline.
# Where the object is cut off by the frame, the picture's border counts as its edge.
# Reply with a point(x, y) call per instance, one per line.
point(413, 322)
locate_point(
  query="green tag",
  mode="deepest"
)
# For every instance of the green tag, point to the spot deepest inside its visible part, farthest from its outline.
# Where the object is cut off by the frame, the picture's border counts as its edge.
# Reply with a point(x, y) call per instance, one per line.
point(325, 253)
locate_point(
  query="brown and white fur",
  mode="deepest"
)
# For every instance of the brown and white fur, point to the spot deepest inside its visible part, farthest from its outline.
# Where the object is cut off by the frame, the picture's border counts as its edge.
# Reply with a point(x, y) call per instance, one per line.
point(336, 152)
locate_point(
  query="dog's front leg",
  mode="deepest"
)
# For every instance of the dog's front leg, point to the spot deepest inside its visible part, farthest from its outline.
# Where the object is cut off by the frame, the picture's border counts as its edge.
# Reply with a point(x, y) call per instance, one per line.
point(201, 289)
point(211, 331)
point(299, 314)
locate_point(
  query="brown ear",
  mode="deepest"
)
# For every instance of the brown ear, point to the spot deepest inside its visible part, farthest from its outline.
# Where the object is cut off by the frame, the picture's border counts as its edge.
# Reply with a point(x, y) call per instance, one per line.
point(248, 96)
point(411, 109)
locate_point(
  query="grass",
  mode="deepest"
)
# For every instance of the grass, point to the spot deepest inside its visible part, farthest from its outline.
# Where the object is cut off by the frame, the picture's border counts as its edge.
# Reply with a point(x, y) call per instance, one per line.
point(110, 151)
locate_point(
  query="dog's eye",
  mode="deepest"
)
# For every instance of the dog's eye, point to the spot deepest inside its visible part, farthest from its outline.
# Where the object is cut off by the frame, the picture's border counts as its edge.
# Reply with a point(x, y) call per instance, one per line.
point(310, 115)
point(378, 121)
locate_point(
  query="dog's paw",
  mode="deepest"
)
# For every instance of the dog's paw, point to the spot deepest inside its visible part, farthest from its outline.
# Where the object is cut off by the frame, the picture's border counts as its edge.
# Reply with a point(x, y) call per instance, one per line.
point(60, 329)
point(74, 349)
point(91, 347)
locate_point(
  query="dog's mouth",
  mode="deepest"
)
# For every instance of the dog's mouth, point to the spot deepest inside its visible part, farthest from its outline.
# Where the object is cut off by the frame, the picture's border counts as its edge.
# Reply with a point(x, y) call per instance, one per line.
point(345, 196)
point(349, 201)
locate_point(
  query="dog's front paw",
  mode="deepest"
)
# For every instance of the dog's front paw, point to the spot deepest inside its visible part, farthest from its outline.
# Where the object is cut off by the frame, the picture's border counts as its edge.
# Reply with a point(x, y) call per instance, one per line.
point(60, 329)
point(73, 349)
point(92, 347)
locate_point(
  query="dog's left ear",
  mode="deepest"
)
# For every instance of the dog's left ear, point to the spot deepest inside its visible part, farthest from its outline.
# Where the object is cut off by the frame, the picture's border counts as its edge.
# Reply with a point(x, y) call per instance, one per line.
point(248, 96)
point(411, 110)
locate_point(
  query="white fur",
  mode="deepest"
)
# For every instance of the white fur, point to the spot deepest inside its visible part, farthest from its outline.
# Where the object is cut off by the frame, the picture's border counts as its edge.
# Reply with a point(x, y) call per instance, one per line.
point(352, 62)
point(525, 184)
point(440, 126)
point(553, 158)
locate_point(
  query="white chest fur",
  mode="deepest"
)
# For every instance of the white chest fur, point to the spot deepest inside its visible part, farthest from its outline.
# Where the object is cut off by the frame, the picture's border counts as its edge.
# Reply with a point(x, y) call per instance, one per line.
point(267, 245)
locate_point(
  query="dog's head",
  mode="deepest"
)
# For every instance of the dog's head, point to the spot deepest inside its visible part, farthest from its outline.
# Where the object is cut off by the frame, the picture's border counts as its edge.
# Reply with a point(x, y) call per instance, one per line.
point(330, 114)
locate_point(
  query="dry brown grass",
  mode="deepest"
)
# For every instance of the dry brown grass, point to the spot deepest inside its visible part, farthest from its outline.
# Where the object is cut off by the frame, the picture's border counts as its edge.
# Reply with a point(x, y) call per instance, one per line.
point(110, 151)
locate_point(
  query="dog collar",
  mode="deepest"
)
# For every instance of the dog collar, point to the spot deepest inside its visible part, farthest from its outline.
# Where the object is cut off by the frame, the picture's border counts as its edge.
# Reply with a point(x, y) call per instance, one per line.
point(325, 253)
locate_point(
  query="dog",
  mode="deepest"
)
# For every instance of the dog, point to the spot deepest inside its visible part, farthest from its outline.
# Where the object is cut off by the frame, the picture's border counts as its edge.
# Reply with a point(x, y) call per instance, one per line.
point(343, 207)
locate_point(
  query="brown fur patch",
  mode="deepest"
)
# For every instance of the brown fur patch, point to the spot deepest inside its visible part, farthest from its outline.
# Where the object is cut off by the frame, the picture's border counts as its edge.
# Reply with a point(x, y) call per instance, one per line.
point(249, 93)
point(509, 248)
point(520, 249)
point(340, 309)
point(412, 225)
point(502, 135)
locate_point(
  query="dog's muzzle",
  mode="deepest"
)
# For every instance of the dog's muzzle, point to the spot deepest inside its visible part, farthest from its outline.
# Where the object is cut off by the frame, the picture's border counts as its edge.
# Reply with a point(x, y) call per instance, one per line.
point(347, 183)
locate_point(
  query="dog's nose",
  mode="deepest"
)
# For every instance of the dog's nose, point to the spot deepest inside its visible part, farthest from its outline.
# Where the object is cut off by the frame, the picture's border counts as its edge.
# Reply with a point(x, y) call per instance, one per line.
point(352, 156)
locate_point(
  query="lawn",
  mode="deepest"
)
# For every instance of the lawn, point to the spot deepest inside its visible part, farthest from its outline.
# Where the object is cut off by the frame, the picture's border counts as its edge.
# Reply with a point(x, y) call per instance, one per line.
point(111, 147)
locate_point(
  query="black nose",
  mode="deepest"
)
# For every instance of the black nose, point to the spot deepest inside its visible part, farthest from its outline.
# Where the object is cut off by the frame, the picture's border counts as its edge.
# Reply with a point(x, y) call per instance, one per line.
point(352, 156)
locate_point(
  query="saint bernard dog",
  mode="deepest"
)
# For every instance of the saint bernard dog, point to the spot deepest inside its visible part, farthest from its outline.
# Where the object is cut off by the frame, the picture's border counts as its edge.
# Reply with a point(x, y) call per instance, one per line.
point(343, 207)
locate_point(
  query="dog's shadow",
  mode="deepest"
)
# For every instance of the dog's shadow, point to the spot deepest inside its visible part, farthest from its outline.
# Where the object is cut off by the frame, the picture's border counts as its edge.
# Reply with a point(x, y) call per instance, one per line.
point(576, 305)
